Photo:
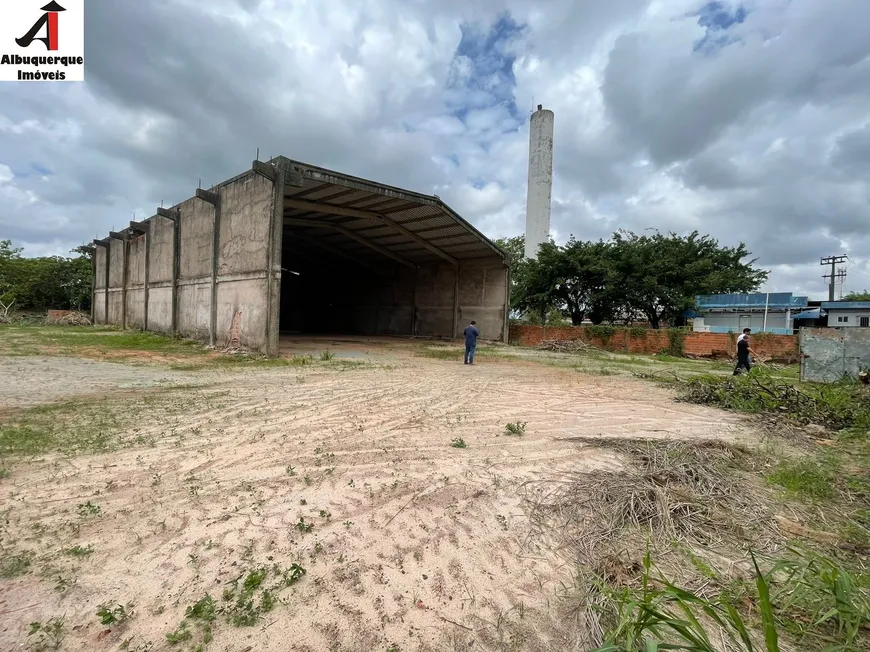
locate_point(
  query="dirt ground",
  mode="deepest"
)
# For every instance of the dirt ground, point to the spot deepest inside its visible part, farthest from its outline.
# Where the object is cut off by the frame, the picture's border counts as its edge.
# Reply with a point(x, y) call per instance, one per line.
point(407, 542)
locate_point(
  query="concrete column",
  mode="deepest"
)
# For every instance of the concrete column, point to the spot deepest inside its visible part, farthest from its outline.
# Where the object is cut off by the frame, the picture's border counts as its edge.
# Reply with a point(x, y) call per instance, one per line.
point(273, 271)
point(175, 217)
point(540, 186)
point(215, 200)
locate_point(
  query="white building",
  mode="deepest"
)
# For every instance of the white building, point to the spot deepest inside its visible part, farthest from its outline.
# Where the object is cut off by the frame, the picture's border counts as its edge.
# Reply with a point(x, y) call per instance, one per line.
point(847, 314)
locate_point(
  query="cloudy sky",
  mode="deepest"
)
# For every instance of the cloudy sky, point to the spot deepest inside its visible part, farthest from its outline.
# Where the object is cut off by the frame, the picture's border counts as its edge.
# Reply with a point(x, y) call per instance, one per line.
point(749, 120)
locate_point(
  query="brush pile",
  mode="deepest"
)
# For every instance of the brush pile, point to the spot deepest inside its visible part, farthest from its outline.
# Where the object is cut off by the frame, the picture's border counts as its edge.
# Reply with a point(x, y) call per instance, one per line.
point(71, 319)
point(566, 346)
point(834, 406)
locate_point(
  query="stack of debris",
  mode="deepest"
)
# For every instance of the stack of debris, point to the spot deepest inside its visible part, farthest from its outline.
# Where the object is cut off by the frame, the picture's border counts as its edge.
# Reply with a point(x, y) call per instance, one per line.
point(566, 346)
point(70, 318)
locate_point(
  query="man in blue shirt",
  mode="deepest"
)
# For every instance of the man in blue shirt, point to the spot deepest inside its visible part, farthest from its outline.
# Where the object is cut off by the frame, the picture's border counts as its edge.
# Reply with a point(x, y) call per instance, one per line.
point(471, 335)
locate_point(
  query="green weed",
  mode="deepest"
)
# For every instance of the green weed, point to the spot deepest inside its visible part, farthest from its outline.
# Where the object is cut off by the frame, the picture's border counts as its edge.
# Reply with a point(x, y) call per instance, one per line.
point(517, 429)
point(80, 551)
point(302, 526)
point(48, 636)
point(326, 356)
point(109, 615)
point(180, 634)
point(458, 442)
point(88, 509)
point(15, 565)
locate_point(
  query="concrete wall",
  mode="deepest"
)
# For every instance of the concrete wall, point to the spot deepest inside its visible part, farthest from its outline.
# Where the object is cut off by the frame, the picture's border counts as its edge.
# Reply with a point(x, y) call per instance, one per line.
point(116, 281)
point(160, 274)
point(196, 238)
point(98, 305)
point(247, 209)
point(163, 301)
point(435, 292)
point(828, 355)
point(136, 282)
point(482, 295)
point(782, 348)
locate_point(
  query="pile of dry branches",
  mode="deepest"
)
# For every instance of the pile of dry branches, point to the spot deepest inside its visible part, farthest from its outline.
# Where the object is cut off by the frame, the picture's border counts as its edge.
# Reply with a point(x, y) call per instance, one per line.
point(566, 346)
point(72, 319)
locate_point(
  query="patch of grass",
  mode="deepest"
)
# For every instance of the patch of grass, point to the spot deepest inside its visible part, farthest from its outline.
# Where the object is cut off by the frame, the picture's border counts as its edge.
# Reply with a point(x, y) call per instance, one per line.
point(515, 429)
point(83, 426)
point(661, 615)
point(80, 551)
point(807, 478)
point(304, 527)
point(88, 509)
point(458, 442)
point(205, 609)
point(180, 634)
point(15, 565)
point(326, 356)
point(76, 339)
point(5, 473)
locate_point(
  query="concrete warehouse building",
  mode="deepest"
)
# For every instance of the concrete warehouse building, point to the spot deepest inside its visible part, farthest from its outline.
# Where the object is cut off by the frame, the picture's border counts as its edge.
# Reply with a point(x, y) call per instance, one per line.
point(288, 247)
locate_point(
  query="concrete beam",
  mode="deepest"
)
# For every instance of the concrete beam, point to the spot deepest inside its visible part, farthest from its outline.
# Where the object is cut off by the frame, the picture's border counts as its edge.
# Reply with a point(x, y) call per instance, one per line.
point(169, 214)
point(211, 197)
point(268, 171)
point(114, 235)
point(139, 228)
point(101, 243)
point(350, 234)
point(353, 212)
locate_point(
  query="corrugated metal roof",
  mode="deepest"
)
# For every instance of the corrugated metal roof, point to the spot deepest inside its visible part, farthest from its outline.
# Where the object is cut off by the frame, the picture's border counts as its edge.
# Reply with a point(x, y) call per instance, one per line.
point(411, 225)
point(755, 300)
point(846, 305)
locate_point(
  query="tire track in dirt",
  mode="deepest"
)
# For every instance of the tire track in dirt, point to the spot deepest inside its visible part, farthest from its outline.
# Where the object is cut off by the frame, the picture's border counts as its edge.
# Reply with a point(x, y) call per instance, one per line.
point(408, 531)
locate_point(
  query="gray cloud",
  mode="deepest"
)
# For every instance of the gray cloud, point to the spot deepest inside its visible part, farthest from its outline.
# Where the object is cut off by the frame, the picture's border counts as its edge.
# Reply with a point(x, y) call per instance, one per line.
point(760, 135)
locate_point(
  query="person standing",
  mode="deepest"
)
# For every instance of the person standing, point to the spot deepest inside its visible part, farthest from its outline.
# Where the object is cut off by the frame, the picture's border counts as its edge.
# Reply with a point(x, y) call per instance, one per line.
point(471, 335)
point(743, 351)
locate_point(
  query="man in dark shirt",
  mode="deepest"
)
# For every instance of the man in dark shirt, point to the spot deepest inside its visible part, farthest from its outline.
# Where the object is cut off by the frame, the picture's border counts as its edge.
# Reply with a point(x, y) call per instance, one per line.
point(471, 335)
point(743, 352)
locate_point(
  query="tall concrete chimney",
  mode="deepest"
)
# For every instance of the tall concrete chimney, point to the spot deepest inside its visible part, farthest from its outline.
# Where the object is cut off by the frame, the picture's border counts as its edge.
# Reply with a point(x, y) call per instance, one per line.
point(540, 180)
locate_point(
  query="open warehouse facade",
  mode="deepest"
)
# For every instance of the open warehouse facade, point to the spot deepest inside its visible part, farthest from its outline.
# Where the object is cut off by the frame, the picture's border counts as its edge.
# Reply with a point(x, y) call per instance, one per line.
point(292, 248)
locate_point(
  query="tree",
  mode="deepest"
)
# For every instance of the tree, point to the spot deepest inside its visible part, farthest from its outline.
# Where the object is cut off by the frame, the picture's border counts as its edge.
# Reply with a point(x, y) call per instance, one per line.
point(570, 278)
point(659, 275)
point(45, 282)
point(857, 296)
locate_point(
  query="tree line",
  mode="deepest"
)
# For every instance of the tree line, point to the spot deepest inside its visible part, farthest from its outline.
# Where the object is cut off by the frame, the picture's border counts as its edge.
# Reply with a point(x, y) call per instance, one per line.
point(57, 282)
point(627, 279)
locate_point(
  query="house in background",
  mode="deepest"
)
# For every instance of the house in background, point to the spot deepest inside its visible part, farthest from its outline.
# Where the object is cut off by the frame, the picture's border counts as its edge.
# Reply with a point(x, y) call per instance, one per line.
point(847, 314)
point(770, 312)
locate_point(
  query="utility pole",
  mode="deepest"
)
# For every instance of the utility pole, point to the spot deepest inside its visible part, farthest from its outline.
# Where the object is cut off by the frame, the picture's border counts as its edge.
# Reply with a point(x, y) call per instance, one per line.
point(833, 261)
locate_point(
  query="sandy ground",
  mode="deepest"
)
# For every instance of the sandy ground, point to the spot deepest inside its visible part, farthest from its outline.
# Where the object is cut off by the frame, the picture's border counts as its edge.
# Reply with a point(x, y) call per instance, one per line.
point(415, 545)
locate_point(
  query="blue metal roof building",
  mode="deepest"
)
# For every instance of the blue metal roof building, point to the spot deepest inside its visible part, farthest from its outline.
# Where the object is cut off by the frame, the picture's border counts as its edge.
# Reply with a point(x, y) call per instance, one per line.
point(754, 301)
point(760, 311)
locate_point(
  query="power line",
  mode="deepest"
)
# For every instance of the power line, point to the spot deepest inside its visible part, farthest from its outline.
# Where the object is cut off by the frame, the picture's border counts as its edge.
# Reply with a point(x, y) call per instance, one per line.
point(835, 276)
